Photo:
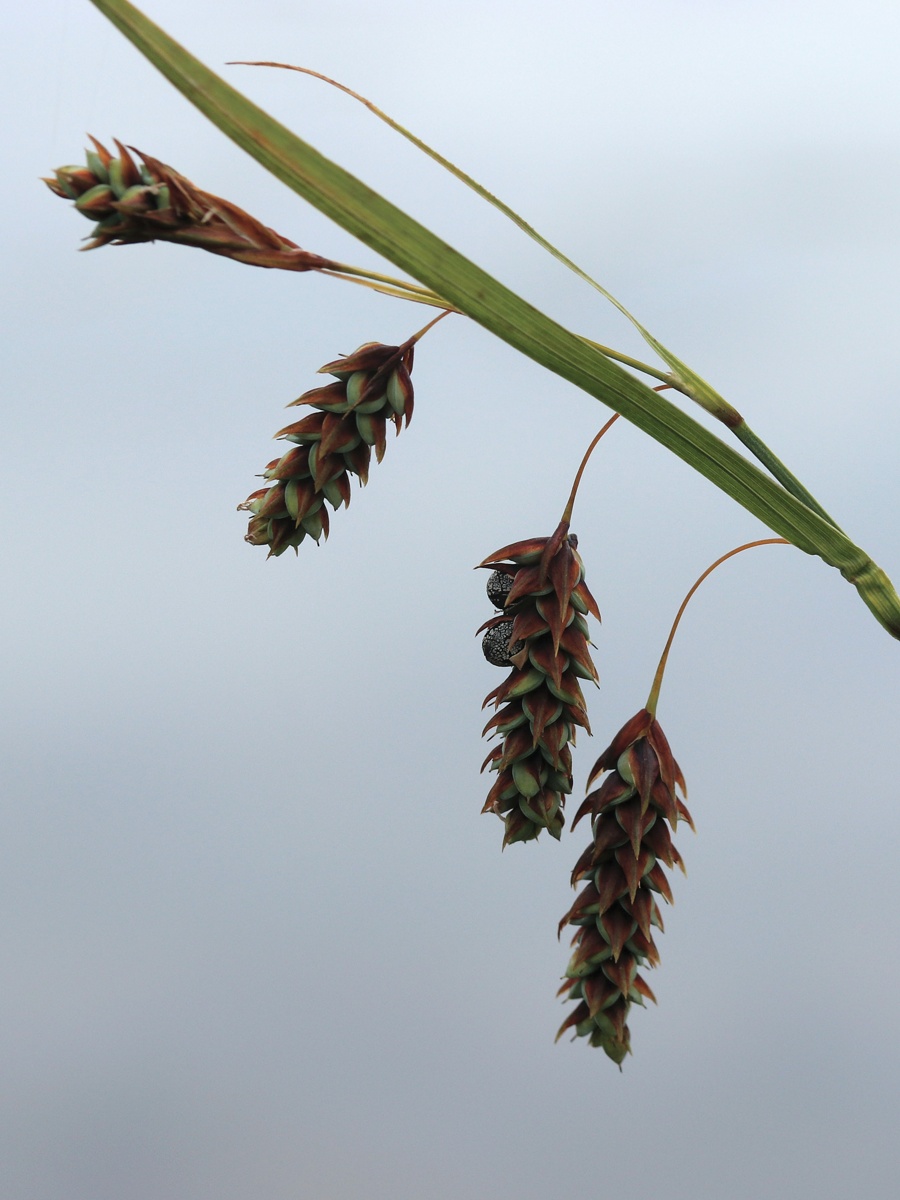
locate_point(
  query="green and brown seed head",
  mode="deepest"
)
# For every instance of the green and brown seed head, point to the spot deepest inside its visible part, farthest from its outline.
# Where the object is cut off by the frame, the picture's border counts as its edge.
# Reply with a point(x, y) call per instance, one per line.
point(349, 420)
point(542, 634)
point(135, 202)
point(632, 812)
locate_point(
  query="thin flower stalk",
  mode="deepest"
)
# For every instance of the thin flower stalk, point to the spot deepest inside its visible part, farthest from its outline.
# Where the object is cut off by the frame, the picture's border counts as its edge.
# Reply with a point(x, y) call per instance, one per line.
point(386, 229)
point(680, 377)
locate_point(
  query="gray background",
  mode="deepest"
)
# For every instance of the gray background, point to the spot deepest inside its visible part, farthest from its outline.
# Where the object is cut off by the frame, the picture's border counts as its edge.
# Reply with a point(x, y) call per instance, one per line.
point(256, 939)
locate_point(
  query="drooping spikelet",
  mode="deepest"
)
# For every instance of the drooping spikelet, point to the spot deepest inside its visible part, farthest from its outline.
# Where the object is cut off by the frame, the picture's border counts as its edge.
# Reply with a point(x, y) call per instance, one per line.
point(542, 634)
point(152, 202)
point(335, 441)
point(631, 812)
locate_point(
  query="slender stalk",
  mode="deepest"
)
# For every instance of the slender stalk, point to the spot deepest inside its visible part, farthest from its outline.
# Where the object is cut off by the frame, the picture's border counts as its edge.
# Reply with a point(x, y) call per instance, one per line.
point(431, 324)
point(400, 293)
point(660, 670)
point(567, 514)
point(645, 368)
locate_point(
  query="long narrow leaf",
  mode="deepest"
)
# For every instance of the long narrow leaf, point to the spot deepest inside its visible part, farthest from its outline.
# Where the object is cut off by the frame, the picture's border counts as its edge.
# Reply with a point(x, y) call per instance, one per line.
point(415, 249)
point(695, 387)
point(681, 376)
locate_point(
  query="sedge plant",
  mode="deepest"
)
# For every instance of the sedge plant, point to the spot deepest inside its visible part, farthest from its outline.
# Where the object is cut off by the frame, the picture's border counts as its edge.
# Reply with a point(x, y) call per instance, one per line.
point(540, 629)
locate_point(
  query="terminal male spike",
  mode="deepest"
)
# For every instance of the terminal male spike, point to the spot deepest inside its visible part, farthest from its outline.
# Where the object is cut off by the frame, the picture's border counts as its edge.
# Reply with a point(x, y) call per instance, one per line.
point(147, 201)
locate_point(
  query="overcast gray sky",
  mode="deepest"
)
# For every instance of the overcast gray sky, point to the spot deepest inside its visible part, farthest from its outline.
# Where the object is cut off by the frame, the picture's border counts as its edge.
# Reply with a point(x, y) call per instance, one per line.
point(257, 940)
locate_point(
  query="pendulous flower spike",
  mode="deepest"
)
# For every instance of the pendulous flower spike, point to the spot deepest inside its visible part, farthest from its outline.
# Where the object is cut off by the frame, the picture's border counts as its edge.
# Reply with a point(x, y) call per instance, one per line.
point(632, 814)
point(531, 583)
point(331, 443)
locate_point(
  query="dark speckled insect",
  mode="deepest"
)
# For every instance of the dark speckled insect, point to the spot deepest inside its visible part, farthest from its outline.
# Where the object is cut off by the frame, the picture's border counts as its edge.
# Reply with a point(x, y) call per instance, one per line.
point(495, 643)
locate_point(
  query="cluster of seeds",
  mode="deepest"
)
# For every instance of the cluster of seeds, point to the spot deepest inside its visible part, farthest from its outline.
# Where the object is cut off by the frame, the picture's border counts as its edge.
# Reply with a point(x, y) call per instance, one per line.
point(613, 915)
point(334, 442)
point(542, 634)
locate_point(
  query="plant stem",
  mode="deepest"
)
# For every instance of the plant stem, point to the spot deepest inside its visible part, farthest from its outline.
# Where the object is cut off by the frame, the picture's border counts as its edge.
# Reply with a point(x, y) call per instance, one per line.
point(691, 385)
point(417, 337)
point(660, 670)
point(666, 376)
point(567, 514)
point(401, 293)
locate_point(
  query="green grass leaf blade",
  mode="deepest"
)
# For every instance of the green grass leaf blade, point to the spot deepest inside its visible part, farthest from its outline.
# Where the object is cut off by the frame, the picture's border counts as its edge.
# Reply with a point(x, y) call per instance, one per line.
point(692, 384)
point(409, 245)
